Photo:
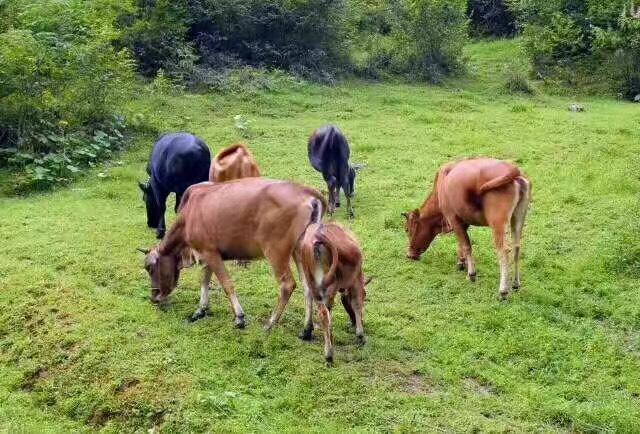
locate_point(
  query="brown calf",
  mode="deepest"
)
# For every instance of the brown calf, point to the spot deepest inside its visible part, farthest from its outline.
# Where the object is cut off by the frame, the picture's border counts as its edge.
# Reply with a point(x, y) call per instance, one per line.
point(233, 162)
point(478, 192)
point(243, 219)
point(331, 262)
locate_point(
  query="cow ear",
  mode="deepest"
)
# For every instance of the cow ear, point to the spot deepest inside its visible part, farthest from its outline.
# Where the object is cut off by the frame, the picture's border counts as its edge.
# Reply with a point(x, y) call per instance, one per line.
point(142, 186)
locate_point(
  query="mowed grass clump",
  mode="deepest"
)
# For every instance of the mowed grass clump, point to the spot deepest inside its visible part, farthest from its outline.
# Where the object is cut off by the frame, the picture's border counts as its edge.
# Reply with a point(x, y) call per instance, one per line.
point(81, 347)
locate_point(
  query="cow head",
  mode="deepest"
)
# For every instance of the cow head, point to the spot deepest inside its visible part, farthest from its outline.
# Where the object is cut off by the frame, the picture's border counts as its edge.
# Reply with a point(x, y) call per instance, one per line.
point(421, 231)
point(149, 198)
point(164, 271)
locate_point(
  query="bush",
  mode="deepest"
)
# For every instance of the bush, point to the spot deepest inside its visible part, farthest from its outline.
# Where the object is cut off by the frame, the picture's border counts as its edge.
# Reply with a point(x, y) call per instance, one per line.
point(182, 38)
point(583, 42)
point(60, 78)
point(421, 39)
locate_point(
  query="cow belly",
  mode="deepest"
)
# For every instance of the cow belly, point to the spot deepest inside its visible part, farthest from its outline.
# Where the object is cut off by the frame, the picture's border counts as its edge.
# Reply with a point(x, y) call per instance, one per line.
point(242, 253)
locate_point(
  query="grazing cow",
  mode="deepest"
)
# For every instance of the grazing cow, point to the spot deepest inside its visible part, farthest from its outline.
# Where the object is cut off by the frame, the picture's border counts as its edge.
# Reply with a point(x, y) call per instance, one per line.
point(233, 162)
point(243, 219)
point(328, 152)
point(331, 262)
point(177, 161)
point(478, 192)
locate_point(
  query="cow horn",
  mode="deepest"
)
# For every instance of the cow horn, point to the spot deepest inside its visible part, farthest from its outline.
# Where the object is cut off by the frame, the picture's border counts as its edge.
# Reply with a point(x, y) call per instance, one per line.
point(405, 215)
point(368, 281)
point(142, 186)
point(359, 167)
point(145, 251)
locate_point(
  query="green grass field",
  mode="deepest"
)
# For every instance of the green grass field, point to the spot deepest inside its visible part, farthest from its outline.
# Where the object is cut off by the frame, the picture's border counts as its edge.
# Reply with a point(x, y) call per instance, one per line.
point(81, 348)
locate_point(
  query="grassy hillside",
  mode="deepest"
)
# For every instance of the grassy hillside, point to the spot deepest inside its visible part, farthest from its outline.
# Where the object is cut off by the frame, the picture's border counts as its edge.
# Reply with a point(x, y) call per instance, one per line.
point(81, 348)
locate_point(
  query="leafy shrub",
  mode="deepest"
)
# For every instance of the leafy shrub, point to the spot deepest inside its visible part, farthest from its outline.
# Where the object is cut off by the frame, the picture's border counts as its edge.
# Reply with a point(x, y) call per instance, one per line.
point(420, 39)
point(60, 79)
point(70, 153)
point(491, 18)
point(583, 41)
point(304, 37)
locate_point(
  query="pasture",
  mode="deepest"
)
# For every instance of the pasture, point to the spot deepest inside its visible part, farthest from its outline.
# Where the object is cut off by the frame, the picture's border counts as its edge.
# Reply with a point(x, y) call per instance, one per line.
point(81, 347)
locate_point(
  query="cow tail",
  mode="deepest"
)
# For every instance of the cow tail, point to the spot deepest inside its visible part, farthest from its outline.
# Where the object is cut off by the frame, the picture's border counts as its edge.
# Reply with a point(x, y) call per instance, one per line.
point(500, 180)
point(330, 277)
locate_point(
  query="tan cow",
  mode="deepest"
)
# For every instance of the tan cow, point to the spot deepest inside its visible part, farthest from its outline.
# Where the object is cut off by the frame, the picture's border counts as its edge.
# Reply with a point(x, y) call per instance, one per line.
point(233, 162)
point(243, 219)
point(331, 262)
point(478, 192)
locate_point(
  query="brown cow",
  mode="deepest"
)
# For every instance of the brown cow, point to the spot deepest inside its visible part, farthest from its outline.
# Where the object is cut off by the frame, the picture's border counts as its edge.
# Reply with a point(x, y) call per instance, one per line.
point(233, 162)
point(478, 192)
point(331, 262)
point(243, 219)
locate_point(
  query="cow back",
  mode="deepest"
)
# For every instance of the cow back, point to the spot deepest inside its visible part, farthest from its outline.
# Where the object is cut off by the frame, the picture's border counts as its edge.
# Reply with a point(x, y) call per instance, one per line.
point(233, 162)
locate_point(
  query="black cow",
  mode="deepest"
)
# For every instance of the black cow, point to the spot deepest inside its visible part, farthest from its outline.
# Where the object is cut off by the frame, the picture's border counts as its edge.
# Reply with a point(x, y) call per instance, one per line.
point(177, 161)
point(328, 151)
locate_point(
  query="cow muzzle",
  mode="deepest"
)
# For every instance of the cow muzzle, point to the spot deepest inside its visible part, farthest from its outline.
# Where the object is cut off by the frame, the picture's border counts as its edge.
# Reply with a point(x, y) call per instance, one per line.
point(414, 256)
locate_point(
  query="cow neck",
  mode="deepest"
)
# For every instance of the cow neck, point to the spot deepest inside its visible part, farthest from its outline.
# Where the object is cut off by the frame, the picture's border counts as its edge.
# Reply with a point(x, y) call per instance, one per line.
point(430, 207)
point(173, 242)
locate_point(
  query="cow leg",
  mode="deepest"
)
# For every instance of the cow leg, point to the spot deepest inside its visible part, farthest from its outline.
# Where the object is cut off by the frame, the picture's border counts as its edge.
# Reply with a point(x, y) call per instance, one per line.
point(462, 263)
point(307, 331)
point(162, 207)
point(350, 211)
point(205, 286)
point(517, 223)
point(499, 238)
point(325, 319)
point(346, 303)
point(356, 300)
point(282, 271)
point(178, 200)
point(217, 265)
point(499, 206)
point(464, 248)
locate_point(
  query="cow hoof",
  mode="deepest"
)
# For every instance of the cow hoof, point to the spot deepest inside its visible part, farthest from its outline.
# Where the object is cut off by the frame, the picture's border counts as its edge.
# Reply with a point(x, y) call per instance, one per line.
point(360, 340)
point(306, 334)
point(239, 323)
point(329, 360)
point(159, 235)
point(516, 286)
point(472, 277)
point(503, 295)
point(198, 314)
point(460, 266)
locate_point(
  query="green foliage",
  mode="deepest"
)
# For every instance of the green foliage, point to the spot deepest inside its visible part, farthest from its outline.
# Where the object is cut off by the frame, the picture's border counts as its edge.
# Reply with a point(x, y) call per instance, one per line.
point(583, 42)
point(183, 38)
point(57, 67)
point(419, 39)
point(68, 153)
